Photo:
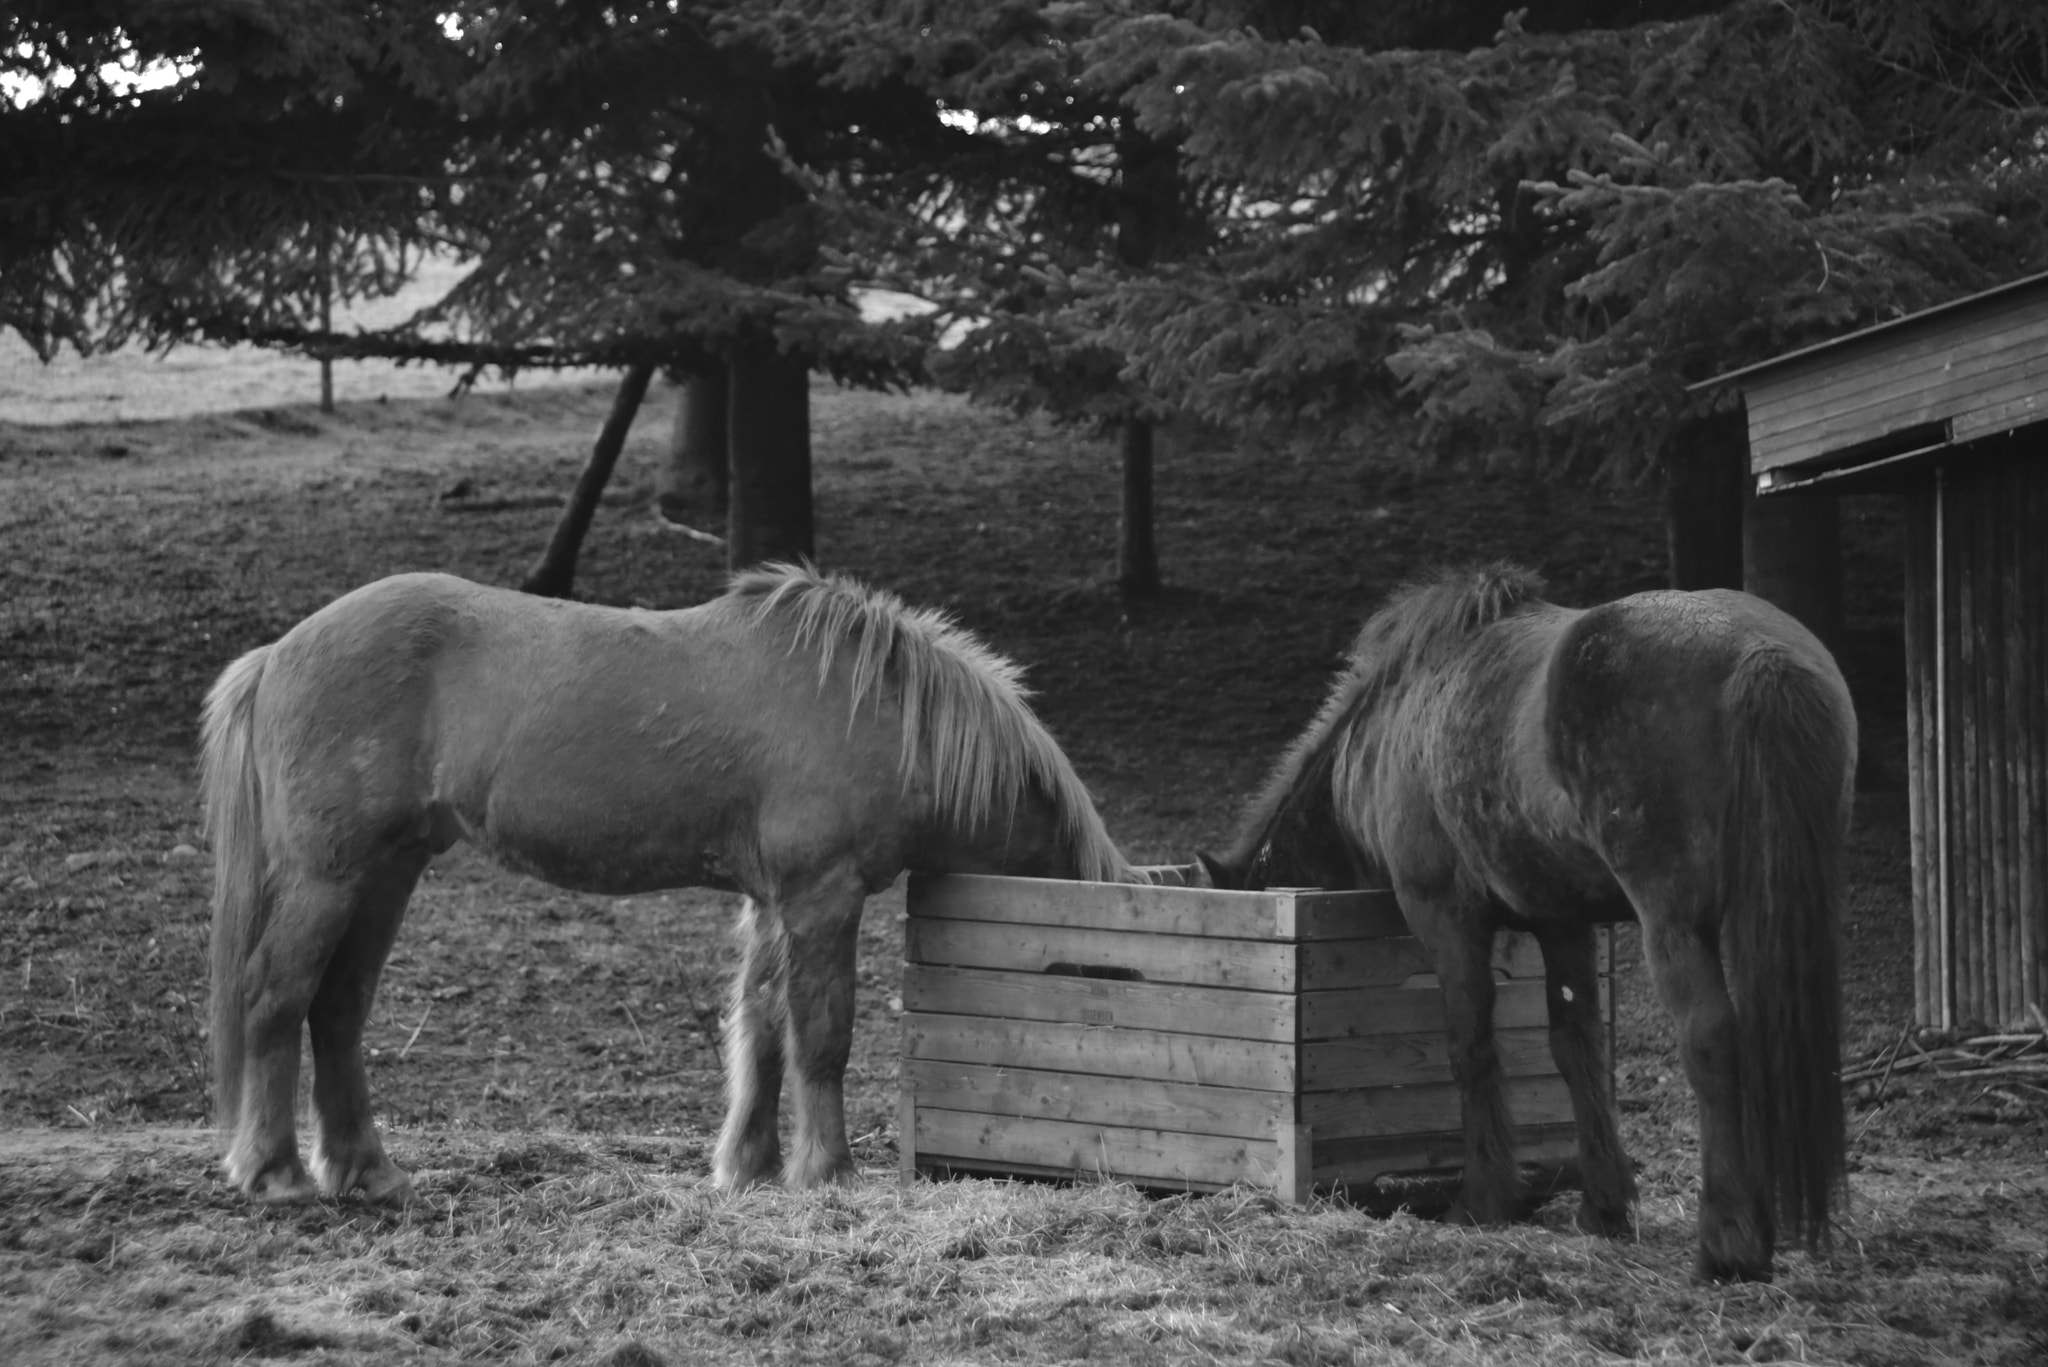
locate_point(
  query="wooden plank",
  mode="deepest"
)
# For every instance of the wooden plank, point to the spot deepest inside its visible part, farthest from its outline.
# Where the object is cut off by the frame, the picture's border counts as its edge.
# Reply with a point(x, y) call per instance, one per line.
point(1956, 360)
point(1910, 342)
point(1994, 415)
point(1357, 1162)
point(1099, 1151)
point(1259, 966)
point(1294, 1179)
point(1047, 1095)
point(1966, 691)
point(1403, 1060)
point(1343, 1013)
point(1917, 605)
point(906, 1136)
point(1001, 1168)
point(1328, 965)
point(1110, 1051)
point(1971, 406)
point(1961, 361)
point(2028, 513)
point(1516, 955)
point(1097, 1001)
point(1377, 1112)
point(1168, 910)
point(1370, 913)
point(1402, 961)
point(1994, 533)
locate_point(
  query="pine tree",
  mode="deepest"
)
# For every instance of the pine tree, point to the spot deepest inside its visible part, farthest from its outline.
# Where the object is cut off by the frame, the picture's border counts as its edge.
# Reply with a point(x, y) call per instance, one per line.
point(638, 185)
point(1542, 241)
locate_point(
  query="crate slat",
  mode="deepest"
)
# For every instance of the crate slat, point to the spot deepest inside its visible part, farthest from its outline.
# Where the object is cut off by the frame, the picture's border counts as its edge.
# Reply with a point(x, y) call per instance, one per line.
point(1415, 1009)
point(1362, 1113)
point(1404, 1060)
point(1254, 965)
point(1096, 1001)
point(1159, 1055)
point(1274, 914)
point(1198, 1108)
point(1062, 1148)
point(1360, 1161)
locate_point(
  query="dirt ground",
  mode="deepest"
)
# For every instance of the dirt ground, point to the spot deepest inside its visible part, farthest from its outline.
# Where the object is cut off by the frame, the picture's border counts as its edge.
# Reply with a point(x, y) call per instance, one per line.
point(142, 557)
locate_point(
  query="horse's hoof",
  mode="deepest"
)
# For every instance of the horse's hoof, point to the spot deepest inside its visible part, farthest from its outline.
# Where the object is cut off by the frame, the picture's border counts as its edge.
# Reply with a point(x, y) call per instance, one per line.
point(1707, 1268)
point(827, 1175)
point(1605, 1224)
point(283, 1189)
point(390, 1187)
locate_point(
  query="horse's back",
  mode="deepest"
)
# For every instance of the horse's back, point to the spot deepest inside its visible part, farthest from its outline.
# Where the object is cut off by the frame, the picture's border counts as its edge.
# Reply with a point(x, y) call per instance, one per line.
point(1678, 652)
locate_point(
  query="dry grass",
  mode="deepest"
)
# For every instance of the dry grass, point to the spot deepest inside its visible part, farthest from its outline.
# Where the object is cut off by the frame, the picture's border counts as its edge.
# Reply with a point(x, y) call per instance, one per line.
point(532, 1249)
point(522, 1032)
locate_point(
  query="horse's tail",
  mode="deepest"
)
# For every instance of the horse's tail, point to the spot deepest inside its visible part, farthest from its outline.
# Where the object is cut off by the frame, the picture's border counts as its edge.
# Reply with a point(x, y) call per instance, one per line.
point(234, 824)
point(1792, 738)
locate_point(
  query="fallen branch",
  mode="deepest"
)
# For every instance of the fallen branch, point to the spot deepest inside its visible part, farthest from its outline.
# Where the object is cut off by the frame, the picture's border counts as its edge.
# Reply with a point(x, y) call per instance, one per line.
point(2001, 1054)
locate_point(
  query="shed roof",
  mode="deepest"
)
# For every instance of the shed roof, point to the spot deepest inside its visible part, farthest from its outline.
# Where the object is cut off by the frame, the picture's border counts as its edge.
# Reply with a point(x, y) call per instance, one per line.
point(1989, 300)
point(1895, 396)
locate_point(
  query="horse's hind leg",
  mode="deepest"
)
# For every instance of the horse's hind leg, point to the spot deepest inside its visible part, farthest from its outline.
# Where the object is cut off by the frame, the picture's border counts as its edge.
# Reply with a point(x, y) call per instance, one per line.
point(1460, 942)
point(1737, 1231)
point(347, 1154)
point(1572, 993)
point(308, 918)
point(823, 924)
point(749, 1146)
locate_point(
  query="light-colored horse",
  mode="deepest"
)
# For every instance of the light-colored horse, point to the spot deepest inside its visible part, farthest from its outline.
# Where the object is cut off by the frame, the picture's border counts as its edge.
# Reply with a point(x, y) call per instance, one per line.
point(1683, 759)
point(800, 739)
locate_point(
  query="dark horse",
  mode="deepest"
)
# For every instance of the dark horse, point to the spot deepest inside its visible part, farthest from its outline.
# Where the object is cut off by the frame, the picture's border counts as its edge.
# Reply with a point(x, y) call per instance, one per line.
point(1683, 759)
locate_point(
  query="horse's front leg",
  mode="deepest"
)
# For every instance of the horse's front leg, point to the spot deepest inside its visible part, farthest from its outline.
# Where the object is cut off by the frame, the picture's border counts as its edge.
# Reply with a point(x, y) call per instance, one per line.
point(749, 1145)
point(823, 928)
point(1572, 993)
point(1458, 933)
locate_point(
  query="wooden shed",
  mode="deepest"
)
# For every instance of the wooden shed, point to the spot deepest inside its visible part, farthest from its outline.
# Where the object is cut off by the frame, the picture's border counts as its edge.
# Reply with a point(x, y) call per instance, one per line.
point(1949, 408)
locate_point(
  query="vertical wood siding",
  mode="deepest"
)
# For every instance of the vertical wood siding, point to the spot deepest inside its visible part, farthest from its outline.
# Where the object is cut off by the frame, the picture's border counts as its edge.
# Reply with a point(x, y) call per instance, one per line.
point(1977, 731)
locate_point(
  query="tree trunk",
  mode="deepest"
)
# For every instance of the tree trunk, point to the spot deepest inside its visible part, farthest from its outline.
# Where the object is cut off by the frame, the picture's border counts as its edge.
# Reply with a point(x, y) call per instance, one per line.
point(1149, 219)
point(554, 574)
point(1792, 556)
point(768, 419)
point(1705, 471)
point(1137, 554)
point(693, 485)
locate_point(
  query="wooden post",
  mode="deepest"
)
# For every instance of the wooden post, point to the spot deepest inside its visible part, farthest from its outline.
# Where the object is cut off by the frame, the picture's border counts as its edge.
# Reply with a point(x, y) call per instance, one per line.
point(554, 574)
point(326, 317)
point(906, 1137)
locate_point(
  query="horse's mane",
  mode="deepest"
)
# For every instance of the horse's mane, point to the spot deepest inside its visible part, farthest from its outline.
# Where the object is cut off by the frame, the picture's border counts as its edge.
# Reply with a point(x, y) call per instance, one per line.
point(1421, 621)
point(965, 713)
point(1420, 624)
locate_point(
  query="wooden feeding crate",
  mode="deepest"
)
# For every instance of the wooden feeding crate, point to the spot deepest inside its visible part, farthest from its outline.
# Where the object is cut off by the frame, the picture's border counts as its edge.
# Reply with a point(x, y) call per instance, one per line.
point(1191, 1038)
